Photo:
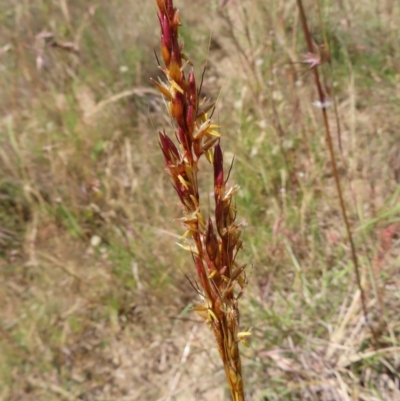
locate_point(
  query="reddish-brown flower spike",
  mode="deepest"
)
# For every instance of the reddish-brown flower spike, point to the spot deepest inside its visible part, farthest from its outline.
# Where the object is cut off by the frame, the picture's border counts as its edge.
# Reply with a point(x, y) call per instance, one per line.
point(218, 171)
point(214, 242)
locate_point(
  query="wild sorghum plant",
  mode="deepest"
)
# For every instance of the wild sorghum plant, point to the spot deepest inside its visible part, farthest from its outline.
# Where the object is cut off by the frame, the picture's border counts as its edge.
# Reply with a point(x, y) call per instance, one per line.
point(213, 241)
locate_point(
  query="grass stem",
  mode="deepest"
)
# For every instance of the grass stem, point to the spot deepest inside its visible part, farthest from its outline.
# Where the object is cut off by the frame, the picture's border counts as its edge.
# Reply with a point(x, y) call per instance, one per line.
point(322, 100)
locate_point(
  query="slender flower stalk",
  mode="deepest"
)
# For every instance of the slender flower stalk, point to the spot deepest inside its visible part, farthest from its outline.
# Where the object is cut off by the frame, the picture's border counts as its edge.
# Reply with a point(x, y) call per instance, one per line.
point(213, 241)
point(314, 63)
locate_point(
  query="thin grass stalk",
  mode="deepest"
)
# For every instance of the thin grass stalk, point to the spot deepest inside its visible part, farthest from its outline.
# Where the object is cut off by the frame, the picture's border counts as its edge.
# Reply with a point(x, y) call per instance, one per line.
point(213, 241)
point(329, 142)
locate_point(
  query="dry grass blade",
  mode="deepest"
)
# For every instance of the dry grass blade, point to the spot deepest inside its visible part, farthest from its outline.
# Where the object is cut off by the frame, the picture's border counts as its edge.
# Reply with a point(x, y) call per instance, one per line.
point(65, 395)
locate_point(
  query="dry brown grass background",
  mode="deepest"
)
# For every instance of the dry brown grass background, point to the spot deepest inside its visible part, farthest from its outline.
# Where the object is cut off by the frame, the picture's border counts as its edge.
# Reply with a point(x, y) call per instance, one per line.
point(94, 300)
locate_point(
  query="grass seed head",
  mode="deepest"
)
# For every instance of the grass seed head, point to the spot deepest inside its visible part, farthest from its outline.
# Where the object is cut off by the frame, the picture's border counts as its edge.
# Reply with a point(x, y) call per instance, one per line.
point(214, 245)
